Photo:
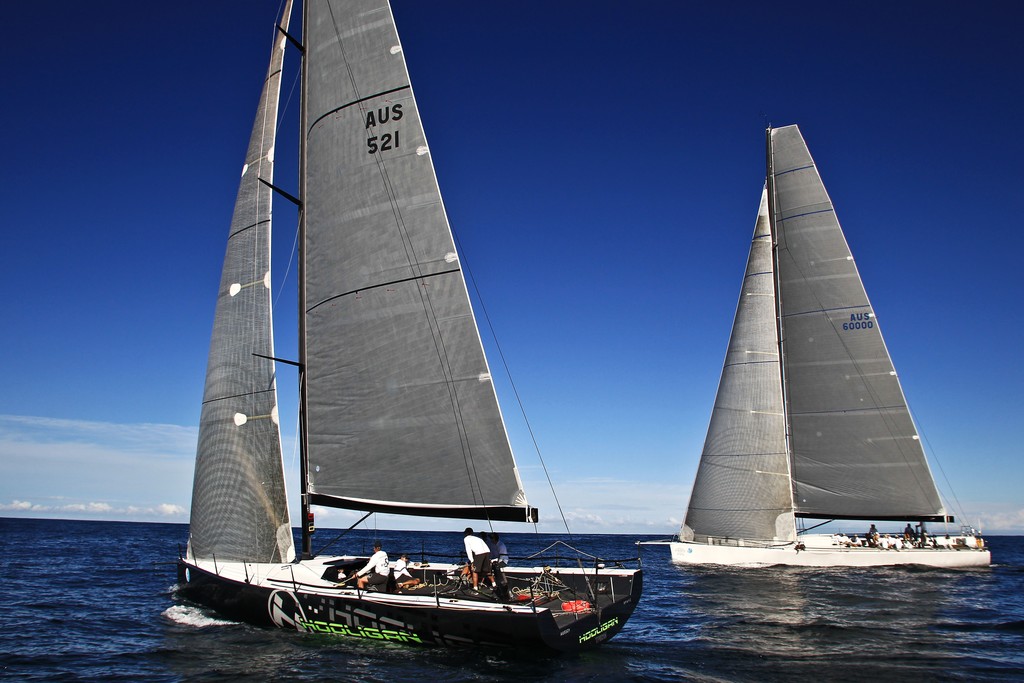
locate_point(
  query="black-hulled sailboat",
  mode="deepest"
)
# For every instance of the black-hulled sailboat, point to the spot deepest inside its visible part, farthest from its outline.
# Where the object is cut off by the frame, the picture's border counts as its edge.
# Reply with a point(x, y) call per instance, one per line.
point(398, 412)
point(810, 420)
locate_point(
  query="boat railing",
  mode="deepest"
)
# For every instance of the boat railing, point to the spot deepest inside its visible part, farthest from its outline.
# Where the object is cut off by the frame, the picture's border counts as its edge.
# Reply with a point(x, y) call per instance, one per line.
point(544, 558)
point(538, 587)
point(745, 542)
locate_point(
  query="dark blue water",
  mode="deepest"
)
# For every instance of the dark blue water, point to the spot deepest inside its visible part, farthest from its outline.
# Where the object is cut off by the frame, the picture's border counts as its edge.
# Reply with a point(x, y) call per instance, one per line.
point(94, 601)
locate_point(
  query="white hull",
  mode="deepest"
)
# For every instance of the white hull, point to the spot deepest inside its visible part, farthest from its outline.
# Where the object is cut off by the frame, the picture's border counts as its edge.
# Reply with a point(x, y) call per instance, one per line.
point(686, 552)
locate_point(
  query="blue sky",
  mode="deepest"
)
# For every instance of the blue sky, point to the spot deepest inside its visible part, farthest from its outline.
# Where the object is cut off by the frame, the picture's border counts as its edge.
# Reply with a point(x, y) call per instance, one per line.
point(601, 163)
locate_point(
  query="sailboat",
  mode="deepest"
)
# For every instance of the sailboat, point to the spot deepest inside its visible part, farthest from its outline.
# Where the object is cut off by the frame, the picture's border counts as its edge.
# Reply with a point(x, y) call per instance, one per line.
point(810, 420)
point(398, 411)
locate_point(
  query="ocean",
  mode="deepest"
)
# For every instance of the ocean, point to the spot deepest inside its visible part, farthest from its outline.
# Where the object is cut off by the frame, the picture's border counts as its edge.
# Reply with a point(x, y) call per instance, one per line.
point(96, 601)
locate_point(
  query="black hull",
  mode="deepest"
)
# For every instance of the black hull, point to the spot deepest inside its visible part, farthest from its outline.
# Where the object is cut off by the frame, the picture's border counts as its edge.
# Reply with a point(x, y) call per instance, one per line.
point(430, 620)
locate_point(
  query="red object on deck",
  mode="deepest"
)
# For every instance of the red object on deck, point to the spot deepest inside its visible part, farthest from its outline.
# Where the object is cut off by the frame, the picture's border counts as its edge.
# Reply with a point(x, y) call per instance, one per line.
point(576, 606)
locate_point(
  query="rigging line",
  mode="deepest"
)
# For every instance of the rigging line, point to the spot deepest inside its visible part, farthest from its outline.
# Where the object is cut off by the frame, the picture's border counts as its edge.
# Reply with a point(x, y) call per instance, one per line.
point(351, 77)
point(515, 391)
point(440, 348)
point(296, 82)
point(336, 538)
point(281, 19)
point(426, 301)
point(292, 257)
point(949, 484)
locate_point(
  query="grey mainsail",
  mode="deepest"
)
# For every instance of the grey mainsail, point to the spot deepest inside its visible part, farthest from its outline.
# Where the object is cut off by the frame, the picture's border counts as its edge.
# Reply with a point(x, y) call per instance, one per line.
point(742, 486)
point(855, 449)
point(239, 506)
point(401, 411)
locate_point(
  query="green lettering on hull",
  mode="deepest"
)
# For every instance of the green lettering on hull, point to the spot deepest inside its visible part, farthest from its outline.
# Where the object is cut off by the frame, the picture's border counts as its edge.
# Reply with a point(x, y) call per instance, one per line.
point(359, 631)
point(599, 630)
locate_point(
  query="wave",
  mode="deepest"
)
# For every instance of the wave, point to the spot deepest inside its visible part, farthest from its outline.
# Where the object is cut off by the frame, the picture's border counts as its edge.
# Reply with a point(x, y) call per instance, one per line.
point(188, 615)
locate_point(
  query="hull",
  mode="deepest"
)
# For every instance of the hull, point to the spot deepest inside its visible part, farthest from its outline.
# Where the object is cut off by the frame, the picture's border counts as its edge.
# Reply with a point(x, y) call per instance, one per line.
point(821, 555)
point(440, 612)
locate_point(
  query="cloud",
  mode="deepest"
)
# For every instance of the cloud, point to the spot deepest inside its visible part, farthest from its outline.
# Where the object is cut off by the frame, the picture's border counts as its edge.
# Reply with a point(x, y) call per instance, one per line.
point(80, 469)
point(53, 467)
point(96, 509)
point(590, 505)
point(611, 505)
point(150, 438)
point(998, 519)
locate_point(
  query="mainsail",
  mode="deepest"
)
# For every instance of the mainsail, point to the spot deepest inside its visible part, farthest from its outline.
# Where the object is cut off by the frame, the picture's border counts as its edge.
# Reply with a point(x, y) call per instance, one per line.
point(401, 412)
point(855, 450)
point(826, 432)
point(239, 506)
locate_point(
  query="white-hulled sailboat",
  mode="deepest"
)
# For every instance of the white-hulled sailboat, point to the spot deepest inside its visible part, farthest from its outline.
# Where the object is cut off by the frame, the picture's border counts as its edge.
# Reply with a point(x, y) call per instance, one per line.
point(398, 412)
point(810, 420)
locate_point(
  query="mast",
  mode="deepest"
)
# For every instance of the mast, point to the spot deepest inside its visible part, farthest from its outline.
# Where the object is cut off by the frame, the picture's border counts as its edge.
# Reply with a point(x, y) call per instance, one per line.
point(306, 521)
point(772, 226)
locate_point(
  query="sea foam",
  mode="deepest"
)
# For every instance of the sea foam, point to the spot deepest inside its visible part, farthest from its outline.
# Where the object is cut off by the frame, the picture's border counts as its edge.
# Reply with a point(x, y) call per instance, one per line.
point(193, 616)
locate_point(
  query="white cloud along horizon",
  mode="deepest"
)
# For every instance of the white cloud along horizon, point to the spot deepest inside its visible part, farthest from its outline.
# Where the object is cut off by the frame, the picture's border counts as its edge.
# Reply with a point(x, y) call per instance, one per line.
point(74, 469)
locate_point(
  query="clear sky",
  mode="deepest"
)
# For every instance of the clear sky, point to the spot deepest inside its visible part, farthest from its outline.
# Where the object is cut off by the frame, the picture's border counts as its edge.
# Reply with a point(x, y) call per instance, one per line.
point(601, 163)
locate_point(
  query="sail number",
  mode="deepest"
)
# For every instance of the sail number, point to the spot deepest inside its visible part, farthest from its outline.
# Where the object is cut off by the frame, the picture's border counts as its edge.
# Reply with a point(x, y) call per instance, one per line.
point(859, 321)
point(378, 117)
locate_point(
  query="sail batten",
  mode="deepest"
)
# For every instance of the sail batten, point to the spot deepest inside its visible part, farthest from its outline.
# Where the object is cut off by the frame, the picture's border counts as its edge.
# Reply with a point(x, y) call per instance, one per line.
point(498, 513)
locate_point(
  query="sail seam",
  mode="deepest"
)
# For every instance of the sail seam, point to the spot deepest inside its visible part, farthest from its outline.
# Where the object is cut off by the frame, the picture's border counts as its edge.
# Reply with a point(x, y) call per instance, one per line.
point(248, 227)
point(872, 409)
point(272, 74)
point(382, 284)
point(808, 213)
point(742, 455)
point(246, 394)
point(742, 509)
point(753, 362)
point(355, 102)
point(793, 170)
point(825, 310)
